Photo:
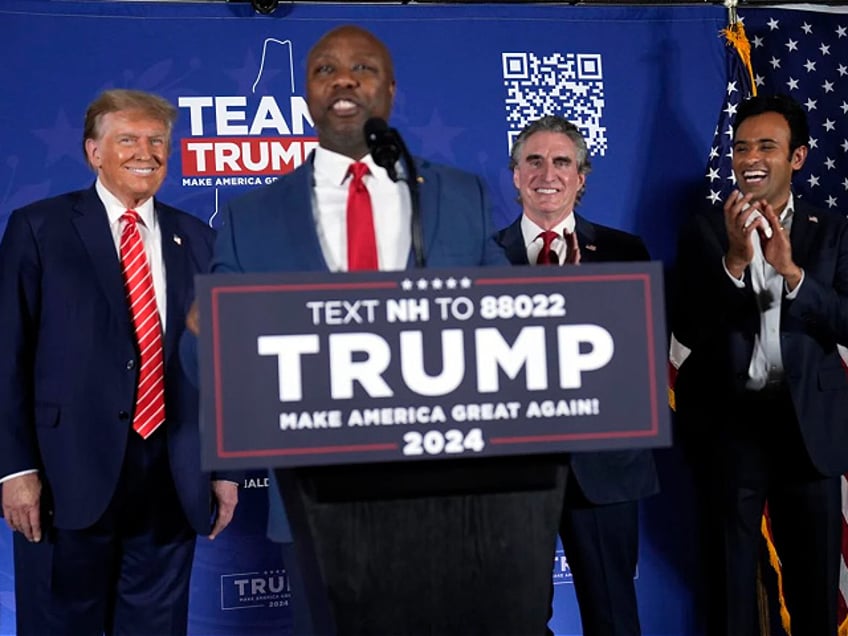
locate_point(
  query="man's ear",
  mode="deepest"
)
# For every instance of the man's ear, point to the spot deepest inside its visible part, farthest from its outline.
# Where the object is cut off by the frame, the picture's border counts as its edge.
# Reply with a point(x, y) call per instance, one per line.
point(799, 156)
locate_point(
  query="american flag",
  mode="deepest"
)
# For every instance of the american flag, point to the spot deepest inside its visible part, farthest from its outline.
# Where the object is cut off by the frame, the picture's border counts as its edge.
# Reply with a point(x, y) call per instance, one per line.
point(804, 54)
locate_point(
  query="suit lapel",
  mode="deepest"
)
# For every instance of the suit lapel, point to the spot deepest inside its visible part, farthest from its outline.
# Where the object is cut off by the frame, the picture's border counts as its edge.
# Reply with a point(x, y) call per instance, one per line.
point(92, 225)
point(176, 255)
point(804, 234)
point(512, 240)
point(586, 239)
point(429, 186)
point(295, 218)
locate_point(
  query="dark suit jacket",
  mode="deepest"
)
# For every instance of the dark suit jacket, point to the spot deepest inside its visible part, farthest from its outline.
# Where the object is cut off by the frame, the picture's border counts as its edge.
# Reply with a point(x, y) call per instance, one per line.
point(609, 476)
point(272, 229)
point(719, 321)
point(69, 360)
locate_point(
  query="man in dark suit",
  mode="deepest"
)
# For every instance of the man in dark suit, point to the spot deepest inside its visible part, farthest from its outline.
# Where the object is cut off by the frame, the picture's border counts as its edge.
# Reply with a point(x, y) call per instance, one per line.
point(599, 527)
point(763, 304)
point(99, 441)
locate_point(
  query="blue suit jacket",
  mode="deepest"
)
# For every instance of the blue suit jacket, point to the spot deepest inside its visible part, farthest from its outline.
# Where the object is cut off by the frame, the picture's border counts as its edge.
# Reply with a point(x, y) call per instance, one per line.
point(69, 363)
point(609, 476)
point(719, 321)
point(272, 229)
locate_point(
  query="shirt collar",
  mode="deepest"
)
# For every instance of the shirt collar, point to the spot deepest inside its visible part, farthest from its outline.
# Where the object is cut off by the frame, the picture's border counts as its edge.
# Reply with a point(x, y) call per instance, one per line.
point(530, 231)
point(115, 209)
point(332, 166)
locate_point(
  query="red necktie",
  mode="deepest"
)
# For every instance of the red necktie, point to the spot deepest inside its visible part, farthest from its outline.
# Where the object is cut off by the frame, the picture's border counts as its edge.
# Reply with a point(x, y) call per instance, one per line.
point(138, 283)
point(547, 256)
point(361, 242)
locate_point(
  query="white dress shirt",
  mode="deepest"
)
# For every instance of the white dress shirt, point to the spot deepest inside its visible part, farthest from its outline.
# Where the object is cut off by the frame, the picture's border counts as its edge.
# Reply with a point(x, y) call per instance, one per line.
point(390, 203)
point(766, 365)
point(533, 242)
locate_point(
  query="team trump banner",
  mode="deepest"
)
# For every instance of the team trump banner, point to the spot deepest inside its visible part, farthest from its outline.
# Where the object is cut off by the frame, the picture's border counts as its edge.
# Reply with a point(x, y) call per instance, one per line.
point(312, 369)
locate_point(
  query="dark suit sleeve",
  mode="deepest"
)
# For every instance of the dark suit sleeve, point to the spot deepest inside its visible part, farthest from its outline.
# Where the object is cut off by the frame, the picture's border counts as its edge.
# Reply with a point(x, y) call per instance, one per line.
point(705, 300)
point(20, 283)
point(493, 253)
point(225, 255)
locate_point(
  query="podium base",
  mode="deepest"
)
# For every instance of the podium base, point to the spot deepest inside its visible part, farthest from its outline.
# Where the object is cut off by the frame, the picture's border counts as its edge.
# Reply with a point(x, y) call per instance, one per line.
point(448, 547)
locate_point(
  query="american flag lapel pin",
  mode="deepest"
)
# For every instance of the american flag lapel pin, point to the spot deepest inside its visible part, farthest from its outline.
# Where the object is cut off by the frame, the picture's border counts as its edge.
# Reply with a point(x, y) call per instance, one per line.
point(592, 247)
point(178, 239)
point(813, 219)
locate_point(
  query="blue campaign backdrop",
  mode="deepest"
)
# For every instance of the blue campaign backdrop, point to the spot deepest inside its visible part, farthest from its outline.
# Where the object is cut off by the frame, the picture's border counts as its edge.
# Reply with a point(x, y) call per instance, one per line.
point(645, 83)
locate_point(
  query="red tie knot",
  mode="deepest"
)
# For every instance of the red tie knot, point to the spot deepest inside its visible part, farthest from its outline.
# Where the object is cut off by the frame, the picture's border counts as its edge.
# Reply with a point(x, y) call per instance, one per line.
point(358, 170)
point(547, 256)
point(131, 216)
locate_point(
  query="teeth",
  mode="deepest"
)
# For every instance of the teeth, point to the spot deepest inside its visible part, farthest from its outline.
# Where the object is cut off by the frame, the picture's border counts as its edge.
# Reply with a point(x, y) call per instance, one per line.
point(343, 104)
point(144, 171)
point(754, 174)
point(546, 190)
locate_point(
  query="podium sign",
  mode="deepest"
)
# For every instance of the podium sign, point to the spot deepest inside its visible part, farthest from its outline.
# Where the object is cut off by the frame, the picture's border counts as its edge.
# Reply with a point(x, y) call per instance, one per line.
point(303, 369)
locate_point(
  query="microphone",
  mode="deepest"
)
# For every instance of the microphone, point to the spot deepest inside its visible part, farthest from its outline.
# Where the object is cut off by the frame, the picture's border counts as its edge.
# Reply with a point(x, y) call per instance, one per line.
point(384, 144)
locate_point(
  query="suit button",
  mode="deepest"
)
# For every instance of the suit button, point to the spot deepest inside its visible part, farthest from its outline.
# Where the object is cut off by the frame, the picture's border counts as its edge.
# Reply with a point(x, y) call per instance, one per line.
point(130, 365)
point(123, 416)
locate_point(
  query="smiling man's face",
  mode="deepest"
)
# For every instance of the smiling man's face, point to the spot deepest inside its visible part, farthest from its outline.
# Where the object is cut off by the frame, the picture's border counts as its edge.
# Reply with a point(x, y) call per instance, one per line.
point(547, 177)
point(130, 155)
point(762, 162)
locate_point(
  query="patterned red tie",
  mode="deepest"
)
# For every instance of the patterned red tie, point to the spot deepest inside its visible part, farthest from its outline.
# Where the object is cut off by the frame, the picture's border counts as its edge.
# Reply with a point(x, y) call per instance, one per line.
point(361, 242)
point(547, 256)
point(138, 283)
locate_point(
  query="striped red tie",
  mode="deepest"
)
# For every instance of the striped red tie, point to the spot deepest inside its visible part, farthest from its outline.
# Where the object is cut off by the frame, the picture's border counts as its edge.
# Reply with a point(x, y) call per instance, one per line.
point(138, 283)
point(361, 240)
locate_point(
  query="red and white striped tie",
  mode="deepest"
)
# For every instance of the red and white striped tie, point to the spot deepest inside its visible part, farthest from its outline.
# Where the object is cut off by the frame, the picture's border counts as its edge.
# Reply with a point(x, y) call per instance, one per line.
point(138, 283)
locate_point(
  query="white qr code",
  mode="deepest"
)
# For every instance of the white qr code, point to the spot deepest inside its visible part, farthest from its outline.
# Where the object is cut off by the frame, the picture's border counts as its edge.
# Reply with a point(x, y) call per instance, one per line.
point(570, 85)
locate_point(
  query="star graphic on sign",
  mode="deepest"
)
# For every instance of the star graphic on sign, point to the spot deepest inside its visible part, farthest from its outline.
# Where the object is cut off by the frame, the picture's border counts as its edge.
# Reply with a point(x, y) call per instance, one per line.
point(827, 86)
point(61, 139)
point(825, 49)
point(465, 282)
point(792, 45)
point(450, 283)
point(829, 124)
point(841, 31)
point(757, 41)
point(813, 180)
point(713, 174)
point(829, 163)
point(831, 201)
point(422, 283)
point(436, 284)
point(810, 66)
point(436, 137)
point(406, 284)
point(715, 197)
point(775, 63)
point(807, 28)
point(772, 24)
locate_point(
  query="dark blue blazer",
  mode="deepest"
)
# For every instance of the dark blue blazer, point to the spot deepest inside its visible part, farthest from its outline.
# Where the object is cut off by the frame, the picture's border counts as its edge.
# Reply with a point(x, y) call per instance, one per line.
point(69, 359)
point(719, 322)
point(609, 476)
point(272, 229)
